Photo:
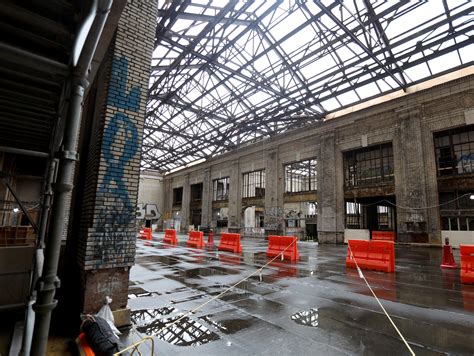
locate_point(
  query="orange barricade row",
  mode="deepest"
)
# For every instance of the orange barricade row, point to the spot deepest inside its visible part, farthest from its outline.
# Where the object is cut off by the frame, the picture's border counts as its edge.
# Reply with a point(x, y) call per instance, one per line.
point(170, 237)
point(196, 239)
point(467, 263)
point(145, 234)
point(276, 244)
point(383, 235)
point(373, 255)
point(230, 242)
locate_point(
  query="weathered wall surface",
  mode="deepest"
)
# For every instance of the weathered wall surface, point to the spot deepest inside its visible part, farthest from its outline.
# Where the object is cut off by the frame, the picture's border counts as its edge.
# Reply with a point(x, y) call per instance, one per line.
point(407, 122)
point(150, 191)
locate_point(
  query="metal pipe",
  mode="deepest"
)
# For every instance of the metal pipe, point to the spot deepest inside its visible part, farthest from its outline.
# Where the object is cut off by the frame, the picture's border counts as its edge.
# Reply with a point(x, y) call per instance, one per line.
point(47, 201)
point(21, 151)
point(39, 257)
point(49, 281)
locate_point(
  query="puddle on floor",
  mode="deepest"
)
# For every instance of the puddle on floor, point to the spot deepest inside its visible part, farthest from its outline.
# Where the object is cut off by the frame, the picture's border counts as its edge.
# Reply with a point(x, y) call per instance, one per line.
point(209, 271)
point(138, 292)
point(306, 317)
point(142, 295)
point(188, 299)
point(166, 260)
point(186, 332)
point(229, 326)
point(142, 317)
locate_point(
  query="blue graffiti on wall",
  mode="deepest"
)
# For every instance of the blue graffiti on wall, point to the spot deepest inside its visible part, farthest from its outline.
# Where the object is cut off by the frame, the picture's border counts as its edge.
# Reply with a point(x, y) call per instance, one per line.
point(117, 154)
point(465, 163)
point(116, 162)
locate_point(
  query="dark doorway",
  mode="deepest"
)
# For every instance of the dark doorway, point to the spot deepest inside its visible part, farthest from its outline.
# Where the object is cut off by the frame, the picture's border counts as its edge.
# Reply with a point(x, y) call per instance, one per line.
point(311, 231)
point(372, 213)
point(196, 217)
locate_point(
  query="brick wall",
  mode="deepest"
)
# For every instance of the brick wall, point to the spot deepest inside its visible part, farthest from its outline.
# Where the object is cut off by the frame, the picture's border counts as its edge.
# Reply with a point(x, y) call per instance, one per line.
point(107, 238)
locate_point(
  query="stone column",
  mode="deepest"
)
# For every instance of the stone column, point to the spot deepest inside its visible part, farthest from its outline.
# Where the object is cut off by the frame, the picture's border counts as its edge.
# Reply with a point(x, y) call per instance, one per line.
point(274, 219)
point(330, 192)
point(410, 182)
point(167, 198)
point(185, 205)
point(107, 236)
point(235, 197)
point(431, 185)
point(206, 207)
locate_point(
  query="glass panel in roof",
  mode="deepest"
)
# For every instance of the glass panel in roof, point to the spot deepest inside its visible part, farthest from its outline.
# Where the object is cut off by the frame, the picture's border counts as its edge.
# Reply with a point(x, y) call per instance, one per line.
point(339, 47)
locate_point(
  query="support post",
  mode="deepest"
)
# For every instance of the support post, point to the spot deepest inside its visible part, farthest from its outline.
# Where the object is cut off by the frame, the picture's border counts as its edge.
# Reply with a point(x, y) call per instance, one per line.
point(48, 282)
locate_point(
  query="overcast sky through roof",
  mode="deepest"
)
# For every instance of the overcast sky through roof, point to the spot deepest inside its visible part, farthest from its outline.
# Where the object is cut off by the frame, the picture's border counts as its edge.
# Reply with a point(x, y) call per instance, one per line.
point(228, 72)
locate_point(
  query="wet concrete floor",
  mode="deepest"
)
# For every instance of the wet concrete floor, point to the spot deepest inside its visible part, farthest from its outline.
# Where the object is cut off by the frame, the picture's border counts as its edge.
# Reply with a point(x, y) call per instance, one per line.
point(312, 307)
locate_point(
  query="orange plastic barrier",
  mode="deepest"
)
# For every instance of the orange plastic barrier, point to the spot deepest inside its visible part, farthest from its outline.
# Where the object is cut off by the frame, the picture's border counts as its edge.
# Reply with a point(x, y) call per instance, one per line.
point(383, 235)
point(467, 263)
point(374, 255)
point(83, 346)
point(230, 242)
point(170, 237)
point(145, 234)
point(276, 245)
point(196, 239)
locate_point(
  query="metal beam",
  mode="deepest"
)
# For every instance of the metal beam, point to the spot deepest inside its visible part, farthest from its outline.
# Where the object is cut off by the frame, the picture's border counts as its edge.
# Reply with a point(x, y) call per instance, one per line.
point(20, 151)
point(356, 40)
point(205, 18)
point(17, 56)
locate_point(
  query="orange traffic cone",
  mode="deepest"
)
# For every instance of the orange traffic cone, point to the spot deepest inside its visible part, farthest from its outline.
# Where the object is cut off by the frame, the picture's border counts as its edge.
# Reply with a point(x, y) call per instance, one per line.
point(448, 258)
point(210, 239)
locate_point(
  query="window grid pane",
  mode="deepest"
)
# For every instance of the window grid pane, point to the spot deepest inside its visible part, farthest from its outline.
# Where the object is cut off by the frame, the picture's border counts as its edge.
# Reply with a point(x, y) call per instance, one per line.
point(253, 184)
point(454, 151)
point(220, 189)
point(301, 176)
point(369, 166)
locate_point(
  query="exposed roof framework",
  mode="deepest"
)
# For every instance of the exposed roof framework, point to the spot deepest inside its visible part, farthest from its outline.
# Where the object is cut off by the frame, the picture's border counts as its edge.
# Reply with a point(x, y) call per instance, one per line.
point(225, 73)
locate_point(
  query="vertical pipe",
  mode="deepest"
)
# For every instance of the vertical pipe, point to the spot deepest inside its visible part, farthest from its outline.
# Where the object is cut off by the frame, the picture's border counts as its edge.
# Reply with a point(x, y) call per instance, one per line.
point(39, 258)
point(48, 282)
point(47, 201)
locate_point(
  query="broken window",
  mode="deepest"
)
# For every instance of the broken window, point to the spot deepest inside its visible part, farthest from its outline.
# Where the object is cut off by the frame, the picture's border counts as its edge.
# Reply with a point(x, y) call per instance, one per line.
point(455, 151)
point(354, 217)
point(253, 184)
point(456, 209)
point(369, 166)
point(300, 176)
point(220, 189)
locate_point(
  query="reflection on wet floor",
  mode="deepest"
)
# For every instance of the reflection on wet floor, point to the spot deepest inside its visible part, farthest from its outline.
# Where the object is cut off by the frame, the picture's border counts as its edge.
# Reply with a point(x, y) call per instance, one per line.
point(270, 304)
point(306, 317)
point(185, 332)
point(141, 295)
point(228, 326)
point(144, 316)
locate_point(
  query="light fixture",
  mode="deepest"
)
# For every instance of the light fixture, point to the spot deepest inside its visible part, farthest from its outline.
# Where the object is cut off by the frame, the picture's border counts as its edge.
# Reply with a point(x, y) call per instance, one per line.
point(471, 197)
point(16, 210)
